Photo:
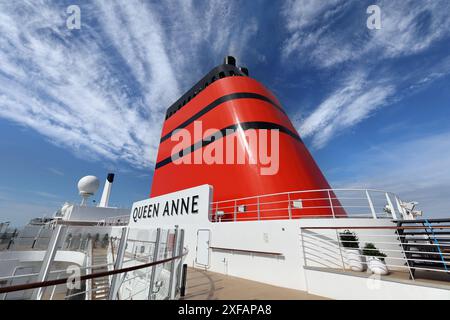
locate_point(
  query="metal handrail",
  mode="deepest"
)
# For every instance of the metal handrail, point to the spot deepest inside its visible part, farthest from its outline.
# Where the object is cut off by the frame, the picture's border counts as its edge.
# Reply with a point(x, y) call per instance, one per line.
point(341, 205)
point(231, 219)
point(18, 276)
point(376, 227)
point(419, 256)
point(303, 191)
point(247, 251)
point(49, 283)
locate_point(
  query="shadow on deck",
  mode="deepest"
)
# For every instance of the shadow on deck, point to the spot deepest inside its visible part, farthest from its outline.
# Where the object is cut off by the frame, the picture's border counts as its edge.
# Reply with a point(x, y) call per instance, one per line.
point(205, 285)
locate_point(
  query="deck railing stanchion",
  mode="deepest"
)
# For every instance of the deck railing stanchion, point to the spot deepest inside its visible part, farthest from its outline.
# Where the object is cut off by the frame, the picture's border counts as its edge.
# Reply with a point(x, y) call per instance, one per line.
point(113, 291)
point(172, 281)
point(155, 258)
point(340, 249)
point(331, 204)
point(399, 207)
point(405, 255)
point(257, 208)
point(372, 209)
point(54, 289)
point(180, 263)
point(48, 259)
point(305, 262)
point(183, 281)
point(289, 206)
point(391, 207)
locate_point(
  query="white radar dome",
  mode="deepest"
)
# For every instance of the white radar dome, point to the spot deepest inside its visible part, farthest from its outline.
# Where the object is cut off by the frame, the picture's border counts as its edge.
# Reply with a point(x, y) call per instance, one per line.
point(88, 185)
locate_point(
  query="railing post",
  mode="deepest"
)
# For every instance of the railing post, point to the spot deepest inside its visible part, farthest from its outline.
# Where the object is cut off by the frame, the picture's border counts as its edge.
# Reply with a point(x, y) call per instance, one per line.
point(257, 203)
point(54, 288)
point(331, 204)
point(289, 206)
point(372, 209)
point(155, 258)
point(46, 263)
point(399, 207)
point(404, 253)
point(180, 262)
point(172, 281)
point(118, 265)
point(305, 263)
point(235, 209)
point(340, 249)
point(391, 207)
point(183, 281)
point(36, 238)
point(89, 271)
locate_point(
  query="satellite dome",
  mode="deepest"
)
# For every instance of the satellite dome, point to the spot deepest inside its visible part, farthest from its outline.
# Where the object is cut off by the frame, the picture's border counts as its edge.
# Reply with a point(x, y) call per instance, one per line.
point(88, 185)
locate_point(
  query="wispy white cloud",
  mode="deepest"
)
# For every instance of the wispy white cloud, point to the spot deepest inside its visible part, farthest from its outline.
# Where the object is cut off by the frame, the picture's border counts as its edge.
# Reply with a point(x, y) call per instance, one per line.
point(56, 171)
point(409, 27)
point(348, 105)
point(415, 169)
point(317, 35)
point(46, 194)
point(102, 91)
point(321, 38)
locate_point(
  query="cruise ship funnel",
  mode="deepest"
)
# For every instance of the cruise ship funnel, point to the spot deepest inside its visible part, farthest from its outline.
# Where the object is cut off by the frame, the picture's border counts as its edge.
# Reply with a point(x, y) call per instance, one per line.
point(215, 122)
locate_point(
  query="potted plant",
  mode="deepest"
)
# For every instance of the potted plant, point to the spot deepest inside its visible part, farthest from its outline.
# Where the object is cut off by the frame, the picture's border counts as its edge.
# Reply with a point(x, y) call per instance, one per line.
point(353, 256)
point(375, 259)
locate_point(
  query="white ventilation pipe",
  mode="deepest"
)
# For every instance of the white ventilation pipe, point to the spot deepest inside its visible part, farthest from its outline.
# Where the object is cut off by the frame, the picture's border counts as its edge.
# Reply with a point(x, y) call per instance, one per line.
point(104, 201)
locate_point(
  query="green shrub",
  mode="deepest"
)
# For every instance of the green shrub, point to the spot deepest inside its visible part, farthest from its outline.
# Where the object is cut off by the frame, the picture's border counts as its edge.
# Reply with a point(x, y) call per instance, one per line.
point(349, 240)
point(371, 251)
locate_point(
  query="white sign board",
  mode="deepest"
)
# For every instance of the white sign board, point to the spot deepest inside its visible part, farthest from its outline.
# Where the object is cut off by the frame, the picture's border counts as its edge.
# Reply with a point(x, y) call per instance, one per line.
point(189, 206)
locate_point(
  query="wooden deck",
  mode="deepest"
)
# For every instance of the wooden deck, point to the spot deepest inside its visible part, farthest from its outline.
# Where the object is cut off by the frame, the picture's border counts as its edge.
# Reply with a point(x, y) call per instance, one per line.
point(205, 285)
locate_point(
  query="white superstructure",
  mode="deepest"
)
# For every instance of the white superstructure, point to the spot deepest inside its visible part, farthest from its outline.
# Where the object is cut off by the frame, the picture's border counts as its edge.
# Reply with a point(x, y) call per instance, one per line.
point(308, 254)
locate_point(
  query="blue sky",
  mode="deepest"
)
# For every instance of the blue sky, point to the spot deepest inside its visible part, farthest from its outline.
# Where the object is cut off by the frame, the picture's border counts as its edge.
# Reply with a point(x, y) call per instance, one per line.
point(373, 106)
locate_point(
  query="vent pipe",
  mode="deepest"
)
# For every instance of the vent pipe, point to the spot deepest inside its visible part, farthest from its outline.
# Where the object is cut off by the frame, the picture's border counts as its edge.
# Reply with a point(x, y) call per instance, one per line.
point(104, 201)
point(230, 60)
point(244, 70)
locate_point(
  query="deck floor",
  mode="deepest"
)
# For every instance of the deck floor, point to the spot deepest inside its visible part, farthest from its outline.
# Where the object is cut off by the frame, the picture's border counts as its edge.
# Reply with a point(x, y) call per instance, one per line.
point(205, 285)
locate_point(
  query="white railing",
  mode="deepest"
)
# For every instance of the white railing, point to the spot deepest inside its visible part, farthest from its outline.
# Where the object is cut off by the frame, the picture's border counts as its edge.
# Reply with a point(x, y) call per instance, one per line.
point(407, 249)
point(324, 203)
point(148, 264)
point(115, 221)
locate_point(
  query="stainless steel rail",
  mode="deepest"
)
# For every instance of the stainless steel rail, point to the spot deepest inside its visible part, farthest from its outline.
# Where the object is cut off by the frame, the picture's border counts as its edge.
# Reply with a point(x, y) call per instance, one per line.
point(407, 248)
point(323, 203)
point(89, 276)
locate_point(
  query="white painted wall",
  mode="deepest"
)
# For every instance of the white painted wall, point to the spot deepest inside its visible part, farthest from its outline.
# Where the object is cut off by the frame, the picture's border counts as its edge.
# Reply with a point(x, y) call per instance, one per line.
point(341, 286)
point(277, 236)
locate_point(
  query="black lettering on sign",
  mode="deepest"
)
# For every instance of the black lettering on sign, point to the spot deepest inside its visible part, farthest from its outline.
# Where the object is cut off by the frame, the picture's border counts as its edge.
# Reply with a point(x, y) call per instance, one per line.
point(185, 205)
point(166, 209)
point(181, 206)
point(155, 209)
point(194, 209)
point(144, 212)
point(174, 208)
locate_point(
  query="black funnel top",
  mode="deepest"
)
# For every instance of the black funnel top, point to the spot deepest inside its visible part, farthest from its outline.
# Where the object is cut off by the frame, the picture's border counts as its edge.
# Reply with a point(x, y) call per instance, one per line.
point(110, 177)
